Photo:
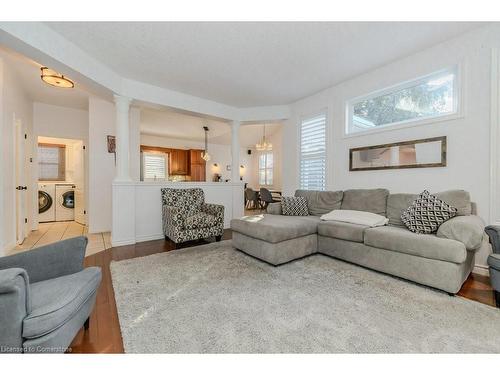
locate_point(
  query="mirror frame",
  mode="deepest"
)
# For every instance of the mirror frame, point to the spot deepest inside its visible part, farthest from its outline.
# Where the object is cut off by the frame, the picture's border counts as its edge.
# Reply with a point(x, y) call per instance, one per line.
point(402, 166)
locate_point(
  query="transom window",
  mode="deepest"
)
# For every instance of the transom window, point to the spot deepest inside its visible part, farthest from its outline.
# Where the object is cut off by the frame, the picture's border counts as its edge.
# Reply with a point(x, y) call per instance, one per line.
point(51, 162)
point(313, 153)
point(266, 168)
point(428, 97)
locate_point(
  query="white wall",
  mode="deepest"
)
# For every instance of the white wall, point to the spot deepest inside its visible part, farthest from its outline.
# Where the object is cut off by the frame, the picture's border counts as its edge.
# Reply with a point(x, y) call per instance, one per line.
point(102, 164)
point(221, 155)
point(14, 104)
point(468, 137)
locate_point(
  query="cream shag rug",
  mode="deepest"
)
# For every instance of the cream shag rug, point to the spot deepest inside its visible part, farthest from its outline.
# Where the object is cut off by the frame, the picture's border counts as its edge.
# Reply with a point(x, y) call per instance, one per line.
point(215, 299)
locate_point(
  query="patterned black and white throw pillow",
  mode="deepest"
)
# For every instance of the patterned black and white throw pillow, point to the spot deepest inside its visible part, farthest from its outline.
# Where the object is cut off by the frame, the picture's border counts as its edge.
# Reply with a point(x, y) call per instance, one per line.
point(294, 206)
point(427, 213)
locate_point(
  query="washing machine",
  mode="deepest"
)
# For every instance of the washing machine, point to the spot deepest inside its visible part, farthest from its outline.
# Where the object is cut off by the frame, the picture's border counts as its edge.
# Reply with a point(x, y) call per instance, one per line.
point(46, 202)
point(65, 202)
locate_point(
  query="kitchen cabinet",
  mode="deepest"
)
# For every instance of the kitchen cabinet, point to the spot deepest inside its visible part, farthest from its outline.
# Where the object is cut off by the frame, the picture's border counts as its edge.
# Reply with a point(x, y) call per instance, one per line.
point(178, 162)
point(197, 166)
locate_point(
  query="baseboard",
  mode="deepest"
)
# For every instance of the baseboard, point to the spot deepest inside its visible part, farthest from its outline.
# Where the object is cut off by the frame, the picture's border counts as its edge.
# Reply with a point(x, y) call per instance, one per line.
point(481, 270)
point(129, 241)
point(149, 237)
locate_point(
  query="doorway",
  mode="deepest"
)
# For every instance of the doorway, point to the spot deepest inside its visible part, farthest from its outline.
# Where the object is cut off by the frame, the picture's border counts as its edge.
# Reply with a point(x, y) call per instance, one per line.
point(61, 177)
point(20, 182)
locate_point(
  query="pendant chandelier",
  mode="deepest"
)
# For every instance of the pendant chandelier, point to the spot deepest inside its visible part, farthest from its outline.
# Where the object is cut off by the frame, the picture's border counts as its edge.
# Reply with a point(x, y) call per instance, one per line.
point(263, 145)
point(53, 78)
point(204, 154)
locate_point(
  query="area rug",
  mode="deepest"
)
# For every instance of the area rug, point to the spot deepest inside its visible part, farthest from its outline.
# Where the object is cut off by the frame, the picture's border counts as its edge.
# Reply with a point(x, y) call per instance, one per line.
point(215, 299)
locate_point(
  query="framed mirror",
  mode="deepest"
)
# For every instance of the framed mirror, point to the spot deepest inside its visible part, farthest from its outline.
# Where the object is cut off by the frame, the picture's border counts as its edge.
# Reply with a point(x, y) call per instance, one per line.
point(420, 153)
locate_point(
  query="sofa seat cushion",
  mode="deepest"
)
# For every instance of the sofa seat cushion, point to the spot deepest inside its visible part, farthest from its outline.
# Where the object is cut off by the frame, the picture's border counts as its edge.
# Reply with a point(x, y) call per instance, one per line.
point(423, 245)
point(56, 301)
point(275, 228)
point(200, 220)
point(342, 230)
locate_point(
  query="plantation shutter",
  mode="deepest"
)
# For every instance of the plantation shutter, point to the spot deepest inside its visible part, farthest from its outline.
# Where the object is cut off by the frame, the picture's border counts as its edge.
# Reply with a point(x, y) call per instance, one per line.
point(154, 166)
point(313, 153)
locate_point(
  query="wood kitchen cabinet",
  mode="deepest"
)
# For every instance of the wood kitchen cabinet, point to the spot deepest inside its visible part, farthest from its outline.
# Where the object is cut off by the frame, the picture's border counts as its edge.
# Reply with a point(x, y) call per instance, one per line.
point(197, 166)
point(179, 162)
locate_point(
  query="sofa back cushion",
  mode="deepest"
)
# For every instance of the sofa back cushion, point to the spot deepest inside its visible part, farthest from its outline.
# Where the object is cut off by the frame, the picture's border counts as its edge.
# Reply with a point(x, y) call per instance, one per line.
point(397, 203)
point(460, 199)
point(321, 202)
point(370, 200)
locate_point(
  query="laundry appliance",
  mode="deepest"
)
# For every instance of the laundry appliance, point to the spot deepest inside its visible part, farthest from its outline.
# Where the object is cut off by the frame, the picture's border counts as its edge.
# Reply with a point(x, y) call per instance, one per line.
point(46, 202)
point(65, 202)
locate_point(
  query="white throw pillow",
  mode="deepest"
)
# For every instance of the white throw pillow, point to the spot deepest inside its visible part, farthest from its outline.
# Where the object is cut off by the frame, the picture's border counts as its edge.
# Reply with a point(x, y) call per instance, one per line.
point(356, 217)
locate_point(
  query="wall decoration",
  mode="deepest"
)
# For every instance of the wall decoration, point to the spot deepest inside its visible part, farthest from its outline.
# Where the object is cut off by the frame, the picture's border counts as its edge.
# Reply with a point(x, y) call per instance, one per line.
point(112, 145)
point(420, 153)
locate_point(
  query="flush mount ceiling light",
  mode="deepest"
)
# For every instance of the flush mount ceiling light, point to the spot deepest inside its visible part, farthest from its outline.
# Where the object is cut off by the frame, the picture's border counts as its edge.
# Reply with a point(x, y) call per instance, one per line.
point(204, 154)
point(263, 145)
point(53, 78)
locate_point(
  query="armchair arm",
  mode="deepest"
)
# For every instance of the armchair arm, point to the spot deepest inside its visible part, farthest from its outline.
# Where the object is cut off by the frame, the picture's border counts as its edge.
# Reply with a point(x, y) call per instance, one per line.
point(214, 209)
point(467, 229)
point(14, 306)
point(173, 221)
point(50, 261)
point(493, 232)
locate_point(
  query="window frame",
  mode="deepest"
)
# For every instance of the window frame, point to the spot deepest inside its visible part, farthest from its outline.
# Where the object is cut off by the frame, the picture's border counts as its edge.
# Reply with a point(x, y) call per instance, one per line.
point(265, 169)
point(61, 165)
point(322, 112)
point(457, 112)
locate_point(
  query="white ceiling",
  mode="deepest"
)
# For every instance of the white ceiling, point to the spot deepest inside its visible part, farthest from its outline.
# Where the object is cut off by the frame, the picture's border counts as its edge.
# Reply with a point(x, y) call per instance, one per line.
point(170, 124)
point(28, 74)
point(250, 63)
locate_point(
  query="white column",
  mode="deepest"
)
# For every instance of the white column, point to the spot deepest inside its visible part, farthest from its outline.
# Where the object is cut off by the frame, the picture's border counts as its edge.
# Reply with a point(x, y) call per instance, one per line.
point(235, 151)
point(122, 105)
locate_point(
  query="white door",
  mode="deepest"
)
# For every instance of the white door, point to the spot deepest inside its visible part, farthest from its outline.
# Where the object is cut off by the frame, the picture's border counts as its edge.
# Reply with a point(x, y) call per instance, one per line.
point(79, 181)
point(21, 188)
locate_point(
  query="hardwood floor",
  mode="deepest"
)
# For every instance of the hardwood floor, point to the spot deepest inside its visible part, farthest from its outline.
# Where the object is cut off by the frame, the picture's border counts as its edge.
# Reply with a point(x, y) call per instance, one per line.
point(104, 334)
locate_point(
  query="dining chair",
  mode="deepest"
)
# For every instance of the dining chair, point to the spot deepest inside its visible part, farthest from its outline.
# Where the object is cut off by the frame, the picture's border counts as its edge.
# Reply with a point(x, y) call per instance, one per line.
point(266, 197)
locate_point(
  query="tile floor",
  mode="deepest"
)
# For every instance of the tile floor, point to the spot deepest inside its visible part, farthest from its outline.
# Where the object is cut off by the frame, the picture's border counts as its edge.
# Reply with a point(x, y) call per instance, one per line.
point(52, 232)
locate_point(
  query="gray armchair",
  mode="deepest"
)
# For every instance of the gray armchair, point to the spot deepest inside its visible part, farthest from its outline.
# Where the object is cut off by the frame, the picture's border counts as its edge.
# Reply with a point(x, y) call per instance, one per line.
point(187, 217)
point(493, 231)
point(46, 296)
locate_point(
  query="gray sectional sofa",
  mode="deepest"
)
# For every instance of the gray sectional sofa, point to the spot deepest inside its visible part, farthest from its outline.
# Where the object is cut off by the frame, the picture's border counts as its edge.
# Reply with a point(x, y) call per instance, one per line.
point(442, 260)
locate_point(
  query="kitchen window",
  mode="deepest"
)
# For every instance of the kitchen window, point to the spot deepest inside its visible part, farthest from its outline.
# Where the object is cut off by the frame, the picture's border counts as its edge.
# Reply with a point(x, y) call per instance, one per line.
point(154, 166)
point(431, 97)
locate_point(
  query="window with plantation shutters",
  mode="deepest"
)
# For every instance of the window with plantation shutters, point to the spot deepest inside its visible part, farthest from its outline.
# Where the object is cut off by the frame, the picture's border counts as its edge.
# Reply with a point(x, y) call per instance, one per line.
point(154, 166)
point(313, 153)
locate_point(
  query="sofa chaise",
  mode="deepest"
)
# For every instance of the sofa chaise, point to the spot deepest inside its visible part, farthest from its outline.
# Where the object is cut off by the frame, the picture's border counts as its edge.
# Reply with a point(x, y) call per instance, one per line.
point(442, 260)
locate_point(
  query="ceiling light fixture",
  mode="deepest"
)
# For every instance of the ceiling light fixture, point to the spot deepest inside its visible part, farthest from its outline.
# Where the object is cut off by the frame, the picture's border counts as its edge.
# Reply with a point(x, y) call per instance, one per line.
point(53, 78)
point(204, 154)
point(263, 145)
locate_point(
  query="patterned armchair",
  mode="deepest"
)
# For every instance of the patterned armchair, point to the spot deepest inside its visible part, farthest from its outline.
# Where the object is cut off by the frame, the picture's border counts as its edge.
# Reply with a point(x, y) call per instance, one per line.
point(187, 217)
